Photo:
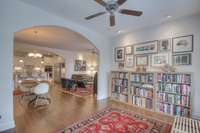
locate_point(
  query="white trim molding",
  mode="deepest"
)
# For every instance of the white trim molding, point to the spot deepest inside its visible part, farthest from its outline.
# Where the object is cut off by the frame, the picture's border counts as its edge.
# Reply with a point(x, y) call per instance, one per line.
point(7, 125)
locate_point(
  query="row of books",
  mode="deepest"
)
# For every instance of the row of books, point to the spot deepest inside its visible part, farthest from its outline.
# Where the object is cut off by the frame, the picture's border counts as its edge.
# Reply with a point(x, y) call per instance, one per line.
point(174, 78)
point(120, 86)
point(144, 78)
point(173, 109)
point(137, 91)
point(174, 99)
point(142, 102)
point(180, 89)
point(122, 75)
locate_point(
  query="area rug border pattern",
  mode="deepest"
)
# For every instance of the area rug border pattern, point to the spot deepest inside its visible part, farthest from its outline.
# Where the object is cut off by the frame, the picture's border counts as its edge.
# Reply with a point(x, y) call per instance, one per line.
point(103, 112)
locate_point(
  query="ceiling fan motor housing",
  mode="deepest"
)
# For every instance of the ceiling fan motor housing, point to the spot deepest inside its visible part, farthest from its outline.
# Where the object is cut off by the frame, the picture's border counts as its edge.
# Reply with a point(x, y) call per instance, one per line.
point(112, 6)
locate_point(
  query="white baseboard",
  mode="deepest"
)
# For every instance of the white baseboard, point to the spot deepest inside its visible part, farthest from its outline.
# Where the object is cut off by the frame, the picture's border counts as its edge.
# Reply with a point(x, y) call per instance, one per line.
point(196, 116)
point(7, 125)
point(101, 97)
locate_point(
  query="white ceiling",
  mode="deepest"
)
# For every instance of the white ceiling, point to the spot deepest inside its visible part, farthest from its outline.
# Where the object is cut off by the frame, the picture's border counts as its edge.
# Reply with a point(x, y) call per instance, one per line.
point(54, 37)
point(154, 12)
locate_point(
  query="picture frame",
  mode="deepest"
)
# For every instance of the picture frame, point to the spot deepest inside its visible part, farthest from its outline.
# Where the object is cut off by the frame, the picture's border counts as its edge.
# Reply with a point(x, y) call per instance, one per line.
point(129, 61)
point(142, 60)
point(182, 59)
point(121, 65)
point(158, 60)
point(150, 47)
point(129, 50)
point(80, 65)
point(164, 45)
point(183, 44)
point(119, 54)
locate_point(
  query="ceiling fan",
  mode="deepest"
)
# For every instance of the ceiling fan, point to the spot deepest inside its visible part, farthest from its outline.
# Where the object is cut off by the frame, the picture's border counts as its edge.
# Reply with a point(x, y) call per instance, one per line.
point(111, 7)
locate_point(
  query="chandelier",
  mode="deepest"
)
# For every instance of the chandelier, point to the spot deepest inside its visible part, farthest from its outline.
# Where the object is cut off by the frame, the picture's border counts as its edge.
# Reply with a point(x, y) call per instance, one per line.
point(35, 55)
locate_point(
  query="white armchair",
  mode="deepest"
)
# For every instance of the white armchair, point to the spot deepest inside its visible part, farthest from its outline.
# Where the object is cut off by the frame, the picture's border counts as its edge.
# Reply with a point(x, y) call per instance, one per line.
point(41, 91)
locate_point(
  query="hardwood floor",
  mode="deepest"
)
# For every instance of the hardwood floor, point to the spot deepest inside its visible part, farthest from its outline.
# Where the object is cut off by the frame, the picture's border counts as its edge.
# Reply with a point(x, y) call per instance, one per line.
point(65, 109)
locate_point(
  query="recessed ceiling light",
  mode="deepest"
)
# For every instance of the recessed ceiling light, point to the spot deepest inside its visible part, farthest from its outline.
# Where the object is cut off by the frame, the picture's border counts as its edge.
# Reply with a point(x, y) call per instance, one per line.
point(119, 32)
point(21, 61)
point(169, 16)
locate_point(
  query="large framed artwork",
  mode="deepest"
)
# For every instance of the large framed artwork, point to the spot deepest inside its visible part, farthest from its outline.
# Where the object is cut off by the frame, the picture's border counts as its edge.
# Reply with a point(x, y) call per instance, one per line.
point(80, 65)
point(141, 60)
point(165, 45)
point(183, 44)
point(129, 62)
point(119, 54)
point(129, 50)
point(182, 59)
point(146, 48)
point(160, 60)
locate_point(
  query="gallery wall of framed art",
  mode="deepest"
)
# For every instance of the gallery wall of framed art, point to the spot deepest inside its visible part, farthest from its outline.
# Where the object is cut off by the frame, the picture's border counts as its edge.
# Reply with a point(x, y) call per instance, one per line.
point(175, 51)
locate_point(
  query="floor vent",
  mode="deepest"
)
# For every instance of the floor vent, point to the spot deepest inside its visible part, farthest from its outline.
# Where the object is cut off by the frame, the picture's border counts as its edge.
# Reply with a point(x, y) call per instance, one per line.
point(185, 125)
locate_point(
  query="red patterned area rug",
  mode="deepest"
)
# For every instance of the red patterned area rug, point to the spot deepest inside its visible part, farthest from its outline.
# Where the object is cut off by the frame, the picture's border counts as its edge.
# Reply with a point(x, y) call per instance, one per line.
point(112, 120)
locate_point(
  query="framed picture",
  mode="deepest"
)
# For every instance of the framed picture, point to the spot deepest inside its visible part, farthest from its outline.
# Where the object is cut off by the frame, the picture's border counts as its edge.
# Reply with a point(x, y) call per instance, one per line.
point(80, 65)
point(164, 45)
point(119, 54)
point(183, 44)
point(121, 65)
point(141, 60)
point(182, 59)
point(129, 62)
point(129, 50)
point(160, 60)
point(146, 48)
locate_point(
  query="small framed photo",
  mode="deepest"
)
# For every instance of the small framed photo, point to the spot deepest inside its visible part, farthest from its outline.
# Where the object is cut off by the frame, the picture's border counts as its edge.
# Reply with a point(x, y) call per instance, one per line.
point(182, 59)
point(183, 44)
point(119, 54)
point(121, 65)
point(160, 60)
point(129, 62)
point(129, 50)
point(164, 45)
point(142, 60)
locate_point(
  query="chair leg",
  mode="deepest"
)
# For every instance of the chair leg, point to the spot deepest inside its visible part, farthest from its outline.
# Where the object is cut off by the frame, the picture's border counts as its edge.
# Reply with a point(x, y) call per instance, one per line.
point(32, 101)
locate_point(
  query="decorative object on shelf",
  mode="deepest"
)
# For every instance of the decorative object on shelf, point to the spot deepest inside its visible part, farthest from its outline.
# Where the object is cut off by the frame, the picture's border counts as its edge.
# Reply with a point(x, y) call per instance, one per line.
point(142, 60)
point(119, 54)
point(129, 61)
point(183, 44)
point(160, 60)
point(129, 50)
point(80, 65)
point(121, 65)
point(146, 48)
point(168, 68)
point(164, 45)
point(182, 59)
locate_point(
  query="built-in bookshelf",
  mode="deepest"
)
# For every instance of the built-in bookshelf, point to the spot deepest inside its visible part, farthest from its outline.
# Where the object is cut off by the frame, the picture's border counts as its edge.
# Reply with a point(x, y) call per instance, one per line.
point(174, 93)
point(142, 89)
point(168, 93)
point(120, 81)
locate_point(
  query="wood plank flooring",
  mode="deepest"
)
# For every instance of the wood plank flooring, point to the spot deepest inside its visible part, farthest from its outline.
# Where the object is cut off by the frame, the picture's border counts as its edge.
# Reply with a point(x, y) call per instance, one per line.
point(65, 109)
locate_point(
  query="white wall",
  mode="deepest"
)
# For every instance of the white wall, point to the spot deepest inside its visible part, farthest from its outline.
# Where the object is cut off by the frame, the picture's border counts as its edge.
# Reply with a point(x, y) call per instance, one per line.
point(186, 26)
point(15, 16)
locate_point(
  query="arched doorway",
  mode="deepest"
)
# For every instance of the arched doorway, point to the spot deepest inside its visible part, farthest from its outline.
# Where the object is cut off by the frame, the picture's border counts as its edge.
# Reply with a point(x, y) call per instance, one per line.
point(73, 47)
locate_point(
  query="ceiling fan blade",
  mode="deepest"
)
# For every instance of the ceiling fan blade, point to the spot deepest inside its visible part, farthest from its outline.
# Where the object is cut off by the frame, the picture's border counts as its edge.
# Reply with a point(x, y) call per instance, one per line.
point(121, 2)
point(130, 12)
point(95, 15)
point(112, 20)
point(101, 2)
